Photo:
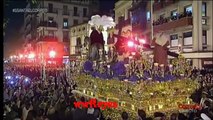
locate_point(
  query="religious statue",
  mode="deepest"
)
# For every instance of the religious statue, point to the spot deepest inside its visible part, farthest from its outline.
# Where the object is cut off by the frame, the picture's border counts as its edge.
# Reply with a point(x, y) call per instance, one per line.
point(160, 42)
point(96, 43)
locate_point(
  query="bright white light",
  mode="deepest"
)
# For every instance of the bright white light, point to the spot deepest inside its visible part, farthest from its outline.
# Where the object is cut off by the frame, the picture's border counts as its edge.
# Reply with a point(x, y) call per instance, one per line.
point(26, 79)
point(31, 56)
point(11, 57)
point(11, 82)
point(133, 53)
point(130, 43)
point(21, 56)
point(52, 53)
point(8, 77)
point(142, 41)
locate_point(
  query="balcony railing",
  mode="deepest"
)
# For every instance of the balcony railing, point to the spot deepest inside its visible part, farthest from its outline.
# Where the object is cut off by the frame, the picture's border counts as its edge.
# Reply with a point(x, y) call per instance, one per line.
point(47, 24)
point(159, 5)
point(53, 10)
point(185, 21)
point(47, 38)
point(66, 13)
point(76, 14)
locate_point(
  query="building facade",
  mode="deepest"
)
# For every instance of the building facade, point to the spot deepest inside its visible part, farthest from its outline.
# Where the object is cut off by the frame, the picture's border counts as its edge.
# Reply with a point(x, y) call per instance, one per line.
point(122, 17)
point(189, 24)
point(53, 23)
point(79, 34)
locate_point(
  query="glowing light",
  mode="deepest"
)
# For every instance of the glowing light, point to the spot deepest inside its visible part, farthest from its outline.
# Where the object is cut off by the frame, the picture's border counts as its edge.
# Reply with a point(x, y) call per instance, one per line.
point(8, 77)
point(52, 53)
point(133, 53)
point(11, 82)
point(31, 56)
point(26, 79)
point(21, 56)
point(142, 41)
point(130, 43)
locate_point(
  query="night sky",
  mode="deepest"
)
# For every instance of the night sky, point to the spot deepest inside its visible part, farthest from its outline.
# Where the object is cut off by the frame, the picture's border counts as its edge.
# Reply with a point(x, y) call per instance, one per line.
point(13, 34)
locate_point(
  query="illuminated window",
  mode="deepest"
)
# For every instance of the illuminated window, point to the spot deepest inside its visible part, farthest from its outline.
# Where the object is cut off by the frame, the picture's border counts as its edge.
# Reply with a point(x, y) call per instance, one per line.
point(148, 16)
point(174, 40)
point(174, 13)
point(65, 22)
point(204, 20)
point(203, 9)
point(50, 19)
point(187, 38)
point(188, 8)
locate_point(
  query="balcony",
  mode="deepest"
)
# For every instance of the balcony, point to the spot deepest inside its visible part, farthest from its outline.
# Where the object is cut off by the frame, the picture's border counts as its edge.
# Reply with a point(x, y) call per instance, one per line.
point(159, 5)
point(48, 24)
point(55, 11)
point(48, 38)
point(185, 21)
point(76, 14)
point(67, 27)
point(66, 13)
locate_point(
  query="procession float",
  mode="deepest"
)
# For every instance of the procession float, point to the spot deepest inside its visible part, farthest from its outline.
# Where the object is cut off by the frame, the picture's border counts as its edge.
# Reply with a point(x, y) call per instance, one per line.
point(132, 78)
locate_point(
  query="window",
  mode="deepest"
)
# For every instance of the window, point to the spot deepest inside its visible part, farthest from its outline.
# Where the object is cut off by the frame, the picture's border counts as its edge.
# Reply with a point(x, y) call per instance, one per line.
point(174, 13)
point(148, 16)
point(50, 7)
point(188, 9)
point(65, 22)
point(75, 22)
point(50, 19)
point(65, 36)
point(75, 11)
point(84, 12)
point(78, 41)
point(203, 9)
point(187, 38)
point(174, 40)
point(65, 10)
point(204, 37)
point(204, 20)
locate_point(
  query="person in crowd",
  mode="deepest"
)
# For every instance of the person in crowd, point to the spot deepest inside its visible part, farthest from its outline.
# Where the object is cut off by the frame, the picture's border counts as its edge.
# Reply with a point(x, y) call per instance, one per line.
point(124, 116)
point(141, 114)
point(173, 116)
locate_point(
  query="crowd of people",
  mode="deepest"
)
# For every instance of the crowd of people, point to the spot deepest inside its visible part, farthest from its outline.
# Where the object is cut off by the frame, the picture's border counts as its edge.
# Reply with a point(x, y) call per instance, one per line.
point(54, 99)
point(162, 20)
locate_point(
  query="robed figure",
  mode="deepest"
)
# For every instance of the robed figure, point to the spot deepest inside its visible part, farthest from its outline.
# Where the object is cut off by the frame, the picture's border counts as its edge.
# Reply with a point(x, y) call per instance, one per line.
point(96, 43)
point(160, 43)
